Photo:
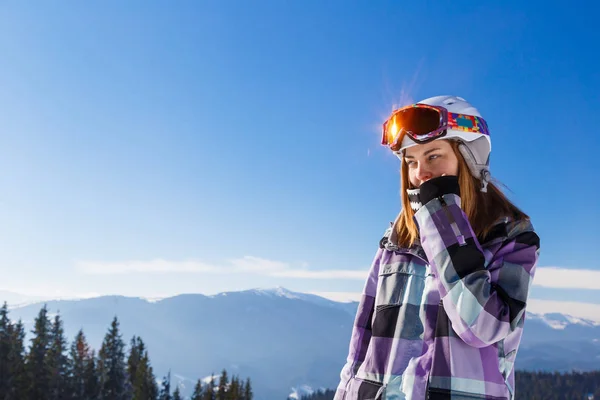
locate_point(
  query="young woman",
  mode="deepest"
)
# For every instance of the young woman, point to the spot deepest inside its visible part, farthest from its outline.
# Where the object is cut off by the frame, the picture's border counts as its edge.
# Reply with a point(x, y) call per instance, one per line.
point(443, 307)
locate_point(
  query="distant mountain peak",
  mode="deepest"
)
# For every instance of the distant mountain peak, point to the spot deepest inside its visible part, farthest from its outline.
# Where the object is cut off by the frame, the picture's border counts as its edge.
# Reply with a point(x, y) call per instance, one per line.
point(270, 292)
point(561, 321)
point(278, 291)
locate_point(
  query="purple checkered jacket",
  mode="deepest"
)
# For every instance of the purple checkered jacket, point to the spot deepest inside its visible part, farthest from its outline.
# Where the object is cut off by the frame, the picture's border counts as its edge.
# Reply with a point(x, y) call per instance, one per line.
point(444, 318)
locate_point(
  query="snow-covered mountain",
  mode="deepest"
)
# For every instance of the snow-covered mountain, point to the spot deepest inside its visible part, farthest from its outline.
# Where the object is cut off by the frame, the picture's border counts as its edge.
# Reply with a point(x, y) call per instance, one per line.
point(562, 321)
point(559, 342)
point(286, 342)
point(17, 299)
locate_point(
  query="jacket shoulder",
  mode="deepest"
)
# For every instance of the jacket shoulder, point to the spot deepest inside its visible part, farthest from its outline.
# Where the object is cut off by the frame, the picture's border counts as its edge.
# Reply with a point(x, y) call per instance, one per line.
point(516, 228)
point(508, 229)
point(385, 242)
point(522, 231)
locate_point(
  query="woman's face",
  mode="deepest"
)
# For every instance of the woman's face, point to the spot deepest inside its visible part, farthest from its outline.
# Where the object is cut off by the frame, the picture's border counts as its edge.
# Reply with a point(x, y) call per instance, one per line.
point(430, 160)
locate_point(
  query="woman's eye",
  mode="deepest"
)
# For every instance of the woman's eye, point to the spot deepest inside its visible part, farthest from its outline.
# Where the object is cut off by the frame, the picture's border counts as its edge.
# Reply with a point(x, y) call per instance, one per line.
point(434, 156)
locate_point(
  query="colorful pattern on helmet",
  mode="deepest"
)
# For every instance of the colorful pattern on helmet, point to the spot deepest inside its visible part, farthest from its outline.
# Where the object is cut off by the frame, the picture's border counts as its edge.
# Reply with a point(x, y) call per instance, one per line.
point(467, 123)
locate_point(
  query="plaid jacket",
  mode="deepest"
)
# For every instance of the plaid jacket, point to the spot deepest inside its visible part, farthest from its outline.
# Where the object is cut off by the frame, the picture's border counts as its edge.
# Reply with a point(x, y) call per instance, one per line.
point(443, 319)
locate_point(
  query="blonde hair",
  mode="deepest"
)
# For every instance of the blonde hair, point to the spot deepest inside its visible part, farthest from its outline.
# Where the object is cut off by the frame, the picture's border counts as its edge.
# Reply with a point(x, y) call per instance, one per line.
point(482, 209)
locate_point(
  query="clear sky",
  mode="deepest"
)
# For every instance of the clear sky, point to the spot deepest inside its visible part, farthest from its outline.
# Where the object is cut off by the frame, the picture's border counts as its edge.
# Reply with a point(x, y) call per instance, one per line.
point(156, 148)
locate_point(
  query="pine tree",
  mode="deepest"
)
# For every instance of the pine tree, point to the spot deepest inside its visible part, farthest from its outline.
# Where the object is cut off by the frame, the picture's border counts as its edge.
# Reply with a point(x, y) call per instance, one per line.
point(165, 390)
point(5, 346)
point(209, 390)
point(81, 357)
point(177, 394)
point(222, 390)
point(135, 355)
point(234, 389)
point(144, 386)
point(38, 373)
point(198, 391)
point(111, 366)
point(248, 395)
point(91, 379)
point(242, 390)
point(78, 354)
point(12, 352)
point(18, 383)
point(57, 363)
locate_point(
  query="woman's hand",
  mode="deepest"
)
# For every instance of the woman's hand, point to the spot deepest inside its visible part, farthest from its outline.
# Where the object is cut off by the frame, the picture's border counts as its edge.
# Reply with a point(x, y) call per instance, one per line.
point(437, 187)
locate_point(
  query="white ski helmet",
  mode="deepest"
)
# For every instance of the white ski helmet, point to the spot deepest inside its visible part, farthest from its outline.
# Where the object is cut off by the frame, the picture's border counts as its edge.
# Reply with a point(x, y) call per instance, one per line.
point(474, 147)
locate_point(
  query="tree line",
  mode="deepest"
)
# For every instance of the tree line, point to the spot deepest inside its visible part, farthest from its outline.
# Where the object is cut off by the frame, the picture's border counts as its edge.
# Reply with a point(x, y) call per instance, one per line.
point(51, 369)
point(538, 385)
point(534, 385)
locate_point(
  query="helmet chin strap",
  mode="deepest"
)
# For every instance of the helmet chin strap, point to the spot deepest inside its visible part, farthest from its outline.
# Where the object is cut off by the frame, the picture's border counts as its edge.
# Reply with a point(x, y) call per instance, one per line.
point(480, 171)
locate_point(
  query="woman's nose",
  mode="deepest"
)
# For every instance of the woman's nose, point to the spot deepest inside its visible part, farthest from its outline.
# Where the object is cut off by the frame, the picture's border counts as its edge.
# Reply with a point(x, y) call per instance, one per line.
point(423, 174)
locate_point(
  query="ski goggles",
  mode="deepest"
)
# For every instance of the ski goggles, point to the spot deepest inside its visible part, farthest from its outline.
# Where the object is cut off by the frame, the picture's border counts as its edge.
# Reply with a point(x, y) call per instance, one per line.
point(424, 123)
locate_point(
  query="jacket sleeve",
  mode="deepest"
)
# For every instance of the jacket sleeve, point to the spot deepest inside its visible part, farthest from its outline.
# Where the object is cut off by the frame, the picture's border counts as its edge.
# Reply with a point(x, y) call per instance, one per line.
point(484, 303)
point(361, 330)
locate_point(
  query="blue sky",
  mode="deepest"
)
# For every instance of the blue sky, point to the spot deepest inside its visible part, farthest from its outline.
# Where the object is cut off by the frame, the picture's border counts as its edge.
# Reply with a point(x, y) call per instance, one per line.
point(149, 149)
